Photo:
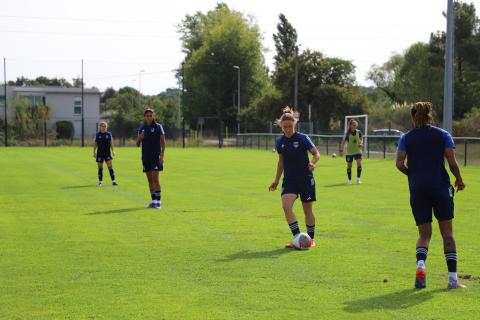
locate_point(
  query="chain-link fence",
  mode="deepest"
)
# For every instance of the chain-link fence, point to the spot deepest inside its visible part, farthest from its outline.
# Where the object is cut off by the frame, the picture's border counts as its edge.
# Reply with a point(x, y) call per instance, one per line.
point(467, 148)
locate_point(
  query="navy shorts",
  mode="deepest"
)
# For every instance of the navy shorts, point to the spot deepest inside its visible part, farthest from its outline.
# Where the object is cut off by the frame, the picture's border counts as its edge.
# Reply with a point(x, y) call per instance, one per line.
point(305, 187)
point(438, 199)
point(103, 157)
point(353, 157)
point(152, 165)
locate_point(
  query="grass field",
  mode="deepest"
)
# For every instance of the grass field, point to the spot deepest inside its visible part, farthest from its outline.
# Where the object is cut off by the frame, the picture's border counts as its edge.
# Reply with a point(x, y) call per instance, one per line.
point(71, 250)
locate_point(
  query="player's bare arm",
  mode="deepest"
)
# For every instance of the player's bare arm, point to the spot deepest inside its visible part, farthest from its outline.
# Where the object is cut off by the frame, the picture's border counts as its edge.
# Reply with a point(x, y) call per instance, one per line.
point(401, 157)
point(454, 169)
point(278, 174)
point(316, 156)
point(163, 144)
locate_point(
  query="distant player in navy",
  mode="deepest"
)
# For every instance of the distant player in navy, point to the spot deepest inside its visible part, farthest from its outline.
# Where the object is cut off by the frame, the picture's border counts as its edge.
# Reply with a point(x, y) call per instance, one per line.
point(354, 140)
point(152, 138)
point(420, 156)
point(101, 152)
point(297, 169)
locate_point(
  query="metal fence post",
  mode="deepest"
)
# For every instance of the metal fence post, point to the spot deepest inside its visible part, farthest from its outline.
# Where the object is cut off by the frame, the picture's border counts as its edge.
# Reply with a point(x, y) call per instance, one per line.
point(384, 147)
point(465, 155)
point(327, 145)
point(45, 133)
point(368, 150)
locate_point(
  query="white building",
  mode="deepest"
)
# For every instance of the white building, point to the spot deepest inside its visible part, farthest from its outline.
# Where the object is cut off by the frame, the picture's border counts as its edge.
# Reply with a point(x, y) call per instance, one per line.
point(65, 104)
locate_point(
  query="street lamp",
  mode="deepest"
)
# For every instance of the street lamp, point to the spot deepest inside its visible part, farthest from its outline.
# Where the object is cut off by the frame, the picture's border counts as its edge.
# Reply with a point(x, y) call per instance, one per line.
point(238, 98)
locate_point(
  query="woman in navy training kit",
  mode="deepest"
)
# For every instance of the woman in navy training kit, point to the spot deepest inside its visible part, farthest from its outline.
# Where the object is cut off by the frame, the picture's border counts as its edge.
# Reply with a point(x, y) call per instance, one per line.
point(101, 152)
point(152, 138)
point(293, 162)
point(424, 148)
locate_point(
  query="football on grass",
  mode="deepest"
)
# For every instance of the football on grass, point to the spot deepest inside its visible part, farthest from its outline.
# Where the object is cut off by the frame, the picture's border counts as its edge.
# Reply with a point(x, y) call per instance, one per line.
point(302, 241)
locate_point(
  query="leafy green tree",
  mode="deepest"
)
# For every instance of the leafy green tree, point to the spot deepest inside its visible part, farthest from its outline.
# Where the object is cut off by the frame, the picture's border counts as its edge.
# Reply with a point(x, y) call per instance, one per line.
point(319, 84)
point(40, 81)
point(285, 40)
point(418, 74)
point(108, 94)
point(384, 76)
point(213, 43)
point(126, 112)
point(29, 119)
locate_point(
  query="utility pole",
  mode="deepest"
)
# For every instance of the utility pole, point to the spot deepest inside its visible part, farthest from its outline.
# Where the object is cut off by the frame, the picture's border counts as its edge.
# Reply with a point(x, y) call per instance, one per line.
point(83, 116)
point(449, 55)
point(238, 98)
point(5, 100)
point(182, 105)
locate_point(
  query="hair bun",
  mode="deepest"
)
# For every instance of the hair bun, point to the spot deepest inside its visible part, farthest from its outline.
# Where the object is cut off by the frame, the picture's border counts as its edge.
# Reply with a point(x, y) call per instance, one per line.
point(287, 109)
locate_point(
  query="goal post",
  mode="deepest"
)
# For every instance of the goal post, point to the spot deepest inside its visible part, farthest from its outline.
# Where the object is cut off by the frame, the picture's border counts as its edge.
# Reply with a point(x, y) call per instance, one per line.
point(363, 128)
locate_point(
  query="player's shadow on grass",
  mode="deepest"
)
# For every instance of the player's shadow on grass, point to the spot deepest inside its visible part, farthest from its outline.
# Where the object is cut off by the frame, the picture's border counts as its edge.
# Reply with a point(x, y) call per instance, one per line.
point(79, 187)
point(335, 185)
point(125, 210)
point(398, 300)
point(245, 254)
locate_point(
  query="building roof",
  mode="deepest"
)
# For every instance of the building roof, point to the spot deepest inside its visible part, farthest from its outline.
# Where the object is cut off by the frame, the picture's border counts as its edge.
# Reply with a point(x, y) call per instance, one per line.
point(53, 90)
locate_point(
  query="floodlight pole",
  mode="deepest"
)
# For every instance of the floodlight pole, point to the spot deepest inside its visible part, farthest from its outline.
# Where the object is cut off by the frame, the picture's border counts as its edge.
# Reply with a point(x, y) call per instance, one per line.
point(449, 55)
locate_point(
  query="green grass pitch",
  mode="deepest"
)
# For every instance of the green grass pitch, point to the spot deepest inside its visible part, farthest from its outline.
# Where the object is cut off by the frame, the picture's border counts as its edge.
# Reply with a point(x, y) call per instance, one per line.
point(72, 250)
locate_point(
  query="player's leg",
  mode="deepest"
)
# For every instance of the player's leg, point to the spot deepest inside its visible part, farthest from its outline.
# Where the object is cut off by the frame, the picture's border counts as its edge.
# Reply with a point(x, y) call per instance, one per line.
point(349, 168)
point(151, 187)
point(444, 211)
point(100, 171)
point(147, 168)
point(450, 250)
point(157, 196)
point(359, 168)
point(309, 220)
point(110, 170)
point(421, 205)
point(421, 252)
point(288, 199)
point(308, 196)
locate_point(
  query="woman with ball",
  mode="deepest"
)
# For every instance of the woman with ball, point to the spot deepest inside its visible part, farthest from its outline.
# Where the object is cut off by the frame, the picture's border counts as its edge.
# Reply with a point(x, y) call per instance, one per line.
point(297, 169)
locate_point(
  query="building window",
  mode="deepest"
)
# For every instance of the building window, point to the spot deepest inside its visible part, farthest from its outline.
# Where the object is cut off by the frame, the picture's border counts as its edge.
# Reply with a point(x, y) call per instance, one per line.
point(77, 106)
point(34, 101)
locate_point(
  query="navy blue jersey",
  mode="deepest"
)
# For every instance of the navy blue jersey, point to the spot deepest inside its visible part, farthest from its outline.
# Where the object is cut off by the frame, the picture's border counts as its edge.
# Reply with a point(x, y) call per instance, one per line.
point(151, 147)
point(425, 148)
point(103, 141)
point(294, 151)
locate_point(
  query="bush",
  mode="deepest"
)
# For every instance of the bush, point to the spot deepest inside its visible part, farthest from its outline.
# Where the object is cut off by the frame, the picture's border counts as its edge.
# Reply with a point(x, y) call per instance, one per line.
point(64, 129)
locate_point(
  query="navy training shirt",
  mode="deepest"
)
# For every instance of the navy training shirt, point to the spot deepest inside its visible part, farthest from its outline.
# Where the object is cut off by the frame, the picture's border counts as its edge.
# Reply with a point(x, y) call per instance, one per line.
point(425, 148)
point(151, 147)
point(103, 141)
point(294, 151)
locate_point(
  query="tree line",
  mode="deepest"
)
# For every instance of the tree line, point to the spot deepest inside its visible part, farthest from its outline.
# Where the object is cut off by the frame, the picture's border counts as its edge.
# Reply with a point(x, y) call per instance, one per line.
point(222, 45)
